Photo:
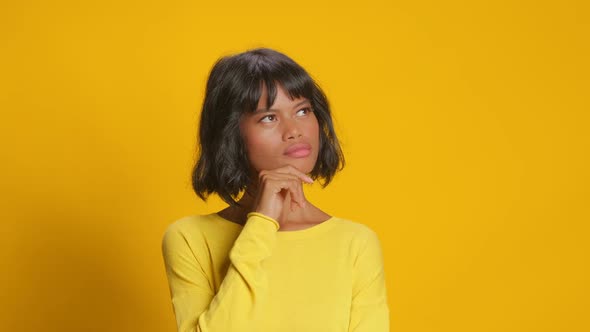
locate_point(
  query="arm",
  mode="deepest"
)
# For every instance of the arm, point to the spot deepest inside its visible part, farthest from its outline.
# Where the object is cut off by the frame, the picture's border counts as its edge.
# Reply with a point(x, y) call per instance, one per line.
point(233, 308)
point(369, 311)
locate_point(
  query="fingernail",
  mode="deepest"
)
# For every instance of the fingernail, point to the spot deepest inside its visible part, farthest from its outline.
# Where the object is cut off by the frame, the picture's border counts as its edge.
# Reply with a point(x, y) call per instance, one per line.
point(310, 180)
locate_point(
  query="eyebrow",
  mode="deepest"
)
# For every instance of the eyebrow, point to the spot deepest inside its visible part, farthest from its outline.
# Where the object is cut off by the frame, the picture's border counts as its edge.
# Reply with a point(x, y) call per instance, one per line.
point(261, 110)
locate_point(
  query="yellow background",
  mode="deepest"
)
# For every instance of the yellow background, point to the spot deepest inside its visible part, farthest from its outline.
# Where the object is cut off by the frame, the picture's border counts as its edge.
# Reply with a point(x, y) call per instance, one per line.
point(464, 123)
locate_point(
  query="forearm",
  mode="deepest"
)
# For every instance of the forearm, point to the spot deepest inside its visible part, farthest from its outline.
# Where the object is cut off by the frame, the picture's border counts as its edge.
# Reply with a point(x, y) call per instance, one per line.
point(236, 305)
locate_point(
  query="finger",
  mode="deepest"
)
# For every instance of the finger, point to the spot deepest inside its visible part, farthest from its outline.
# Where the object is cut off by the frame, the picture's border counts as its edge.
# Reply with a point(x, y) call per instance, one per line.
point(290, 169)
point(276, 175)
point(293, 205)
point(276, 182)
point(300, 196)
point(296, 189)
point(297, 193)
point(293, 188)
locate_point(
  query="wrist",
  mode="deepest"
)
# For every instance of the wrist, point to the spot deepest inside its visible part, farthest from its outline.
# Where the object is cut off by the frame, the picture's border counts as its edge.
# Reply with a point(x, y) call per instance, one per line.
point(264, 216)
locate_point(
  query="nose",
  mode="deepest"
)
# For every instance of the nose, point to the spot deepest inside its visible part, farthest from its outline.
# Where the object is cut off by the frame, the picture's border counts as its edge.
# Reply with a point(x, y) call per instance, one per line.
point(291, 129)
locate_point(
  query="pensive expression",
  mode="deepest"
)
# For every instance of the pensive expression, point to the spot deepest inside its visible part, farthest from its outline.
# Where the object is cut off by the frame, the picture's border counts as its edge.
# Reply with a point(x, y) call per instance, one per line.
point(286, 133)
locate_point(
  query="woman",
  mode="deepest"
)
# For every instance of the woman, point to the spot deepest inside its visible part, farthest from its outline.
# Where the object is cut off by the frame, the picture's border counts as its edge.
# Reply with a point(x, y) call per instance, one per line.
point(272, 260)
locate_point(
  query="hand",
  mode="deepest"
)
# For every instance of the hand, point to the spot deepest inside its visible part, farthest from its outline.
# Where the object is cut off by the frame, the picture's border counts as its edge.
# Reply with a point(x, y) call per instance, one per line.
point(278, 189)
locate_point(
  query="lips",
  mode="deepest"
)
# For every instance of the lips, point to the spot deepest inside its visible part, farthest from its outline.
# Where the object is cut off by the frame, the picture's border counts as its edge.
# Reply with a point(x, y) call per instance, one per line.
point(298, 150)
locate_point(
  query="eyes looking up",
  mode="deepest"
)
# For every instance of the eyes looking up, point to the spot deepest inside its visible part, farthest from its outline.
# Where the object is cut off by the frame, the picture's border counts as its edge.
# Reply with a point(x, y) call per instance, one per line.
point(272, 117)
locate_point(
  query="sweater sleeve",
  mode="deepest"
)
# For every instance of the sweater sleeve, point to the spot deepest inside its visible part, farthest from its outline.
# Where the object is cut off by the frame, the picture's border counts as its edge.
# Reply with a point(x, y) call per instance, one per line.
point(242, 291)
point(369, 310)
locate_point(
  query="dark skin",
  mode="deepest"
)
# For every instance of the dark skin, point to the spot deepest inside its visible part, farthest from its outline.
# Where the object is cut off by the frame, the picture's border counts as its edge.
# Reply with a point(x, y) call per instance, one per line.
point(278, 194)
point(277, 177)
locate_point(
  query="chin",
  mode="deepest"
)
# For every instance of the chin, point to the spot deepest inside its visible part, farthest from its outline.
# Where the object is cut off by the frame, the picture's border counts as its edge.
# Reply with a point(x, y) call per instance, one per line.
point(306, 166)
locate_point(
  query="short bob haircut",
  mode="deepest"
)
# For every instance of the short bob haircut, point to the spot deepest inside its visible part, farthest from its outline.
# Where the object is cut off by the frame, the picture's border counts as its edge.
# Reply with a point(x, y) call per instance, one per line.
point(233, 88)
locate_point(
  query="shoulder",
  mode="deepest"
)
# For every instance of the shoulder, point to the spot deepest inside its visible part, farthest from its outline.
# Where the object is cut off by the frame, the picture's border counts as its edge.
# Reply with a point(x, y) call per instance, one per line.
point(187, 231)
point(357, 228)
point(199, 231)
point(187, 224)
point(359, 234)
point(365, 248)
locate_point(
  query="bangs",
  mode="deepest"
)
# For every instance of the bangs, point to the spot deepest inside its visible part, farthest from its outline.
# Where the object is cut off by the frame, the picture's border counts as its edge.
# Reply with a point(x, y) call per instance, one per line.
point(289, 76)
point(234, 87)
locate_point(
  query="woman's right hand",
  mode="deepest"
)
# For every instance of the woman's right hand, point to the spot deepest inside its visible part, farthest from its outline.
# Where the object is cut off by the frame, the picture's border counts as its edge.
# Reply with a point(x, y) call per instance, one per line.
point(278, 189)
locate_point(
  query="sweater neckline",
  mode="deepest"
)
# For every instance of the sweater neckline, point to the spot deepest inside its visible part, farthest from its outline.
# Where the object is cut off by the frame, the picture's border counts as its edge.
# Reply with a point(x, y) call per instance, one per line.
point(288, 235)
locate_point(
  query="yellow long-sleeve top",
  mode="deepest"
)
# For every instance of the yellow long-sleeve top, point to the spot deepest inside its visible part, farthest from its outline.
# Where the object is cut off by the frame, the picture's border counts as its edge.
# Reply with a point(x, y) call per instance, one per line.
point(225, 277)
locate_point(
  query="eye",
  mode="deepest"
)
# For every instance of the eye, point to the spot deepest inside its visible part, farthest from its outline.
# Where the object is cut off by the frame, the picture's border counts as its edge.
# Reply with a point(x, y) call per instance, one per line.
point(268, 118)
point(304, 111)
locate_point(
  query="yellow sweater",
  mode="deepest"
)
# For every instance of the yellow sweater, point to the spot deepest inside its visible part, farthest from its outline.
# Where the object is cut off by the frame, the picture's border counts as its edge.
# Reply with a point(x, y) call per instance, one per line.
point(225, 277)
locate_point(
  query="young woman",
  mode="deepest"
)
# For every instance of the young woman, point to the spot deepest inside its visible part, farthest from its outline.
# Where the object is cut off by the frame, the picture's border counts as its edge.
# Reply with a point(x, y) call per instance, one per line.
point(272, 260)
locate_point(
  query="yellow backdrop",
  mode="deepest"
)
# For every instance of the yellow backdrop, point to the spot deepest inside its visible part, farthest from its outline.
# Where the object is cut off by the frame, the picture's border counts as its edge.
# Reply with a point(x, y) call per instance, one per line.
point(464, 123)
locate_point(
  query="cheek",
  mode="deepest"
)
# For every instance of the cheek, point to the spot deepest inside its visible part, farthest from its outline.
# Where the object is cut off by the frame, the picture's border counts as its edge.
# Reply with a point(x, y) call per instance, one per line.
point(314, 131)
point(261, 147)
point(255, 142)
point(249, 137)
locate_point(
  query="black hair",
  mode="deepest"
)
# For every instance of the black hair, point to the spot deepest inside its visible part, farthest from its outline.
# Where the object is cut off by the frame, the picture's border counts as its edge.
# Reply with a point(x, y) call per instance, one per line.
point(234, 87)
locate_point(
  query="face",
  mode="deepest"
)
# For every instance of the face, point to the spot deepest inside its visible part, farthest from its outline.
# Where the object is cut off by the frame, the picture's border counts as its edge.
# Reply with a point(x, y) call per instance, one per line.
point(286, 133)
